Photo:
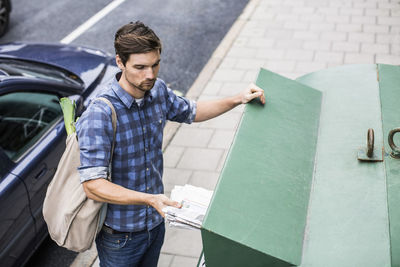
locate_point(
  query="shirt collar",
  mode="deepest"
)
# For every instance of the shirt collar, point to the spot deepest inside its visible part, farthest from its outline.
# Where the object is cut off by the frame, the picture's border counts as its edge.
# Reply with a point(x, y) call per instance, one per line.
point(124, 96)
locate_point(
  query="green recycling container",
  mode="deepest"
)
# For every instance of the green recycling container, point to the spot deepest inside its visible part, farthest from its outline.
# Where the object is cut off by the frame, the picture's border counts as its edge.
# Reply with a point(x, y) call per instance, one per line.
point(294, 190)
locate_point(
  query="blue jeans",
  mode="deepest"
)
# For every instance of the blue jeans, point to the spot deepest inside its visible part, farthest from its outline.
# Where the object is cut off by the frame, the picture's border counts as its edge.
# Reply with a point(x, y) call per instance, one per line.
point(130, 249)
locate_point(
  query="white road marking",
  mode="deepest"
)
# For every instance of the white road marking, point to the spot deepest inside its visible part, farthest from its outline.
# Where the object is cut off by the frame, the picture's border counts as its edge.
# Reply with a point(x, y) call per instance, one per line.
point(90, 22)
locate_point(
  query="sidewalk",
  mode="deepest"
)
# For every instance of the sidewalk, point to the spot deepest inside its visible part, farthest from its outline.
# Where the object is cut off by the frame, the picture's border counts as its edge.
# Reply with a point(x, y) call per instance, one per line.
point(291, 38)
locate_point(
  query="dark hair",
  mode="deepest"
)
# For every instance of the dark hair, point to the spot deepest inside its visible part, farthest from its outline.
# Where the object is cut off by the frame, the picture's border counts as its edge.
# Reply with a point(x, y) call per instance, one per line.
point(135, 38)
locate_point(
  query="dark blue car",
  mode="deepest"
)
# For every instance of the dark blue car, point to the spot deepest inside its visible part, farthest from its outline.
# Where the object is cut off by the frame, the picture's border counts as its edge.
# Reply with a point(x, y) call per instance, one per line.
point(33, 77)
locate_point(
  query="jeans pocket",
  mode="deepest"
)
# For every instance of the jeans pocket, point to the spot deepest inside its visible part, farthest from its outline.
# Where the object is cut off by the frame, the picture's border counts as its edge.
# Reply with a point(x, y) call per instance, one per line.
point(114, 242)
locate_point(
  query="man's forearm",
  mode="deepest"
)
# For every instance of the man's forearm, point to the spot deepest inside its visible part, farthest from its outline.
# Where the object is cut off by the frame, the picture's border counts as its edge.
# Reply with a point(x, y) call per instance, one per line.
point(212, 108)
point(105, 191)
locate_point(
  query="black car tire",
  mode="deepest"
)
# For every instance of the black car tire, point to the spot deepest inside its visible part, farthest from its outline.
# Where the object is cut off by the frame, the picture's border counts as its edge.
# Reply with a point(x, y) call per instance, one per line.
point(5, 9)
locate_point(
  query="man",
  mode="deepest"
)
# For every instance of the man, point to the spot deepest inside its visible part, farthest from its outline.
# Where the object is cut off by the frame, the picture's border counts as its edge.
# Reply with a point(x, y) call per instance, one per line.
point(133, 231)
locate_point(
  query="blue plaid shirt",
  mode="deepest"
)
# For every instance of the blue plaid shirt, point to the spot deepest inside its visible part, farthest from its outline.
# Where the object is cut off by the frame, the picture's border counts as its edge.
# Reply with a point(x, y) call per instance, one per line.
point(137, 160)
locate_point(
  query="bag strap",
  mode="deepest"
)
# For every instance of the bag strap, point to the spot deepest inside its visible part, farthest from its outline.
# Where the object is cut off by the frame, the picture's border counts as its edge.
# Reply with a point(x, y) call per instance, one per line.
point(114, 125)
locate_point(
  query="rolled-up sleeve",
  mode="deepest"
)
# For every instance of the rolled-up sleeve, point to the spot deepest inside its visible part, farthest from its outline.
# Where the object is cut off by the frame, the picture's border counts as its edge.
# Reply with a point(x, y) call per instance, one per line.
point(94, 131)
point(180, 109)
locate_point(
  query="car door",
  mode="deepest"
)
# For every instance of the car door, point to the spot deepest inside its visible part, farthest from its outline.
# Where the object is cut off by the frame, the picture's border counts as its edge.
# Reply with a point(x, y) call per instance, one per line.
point(33, 137)
point(17, 226)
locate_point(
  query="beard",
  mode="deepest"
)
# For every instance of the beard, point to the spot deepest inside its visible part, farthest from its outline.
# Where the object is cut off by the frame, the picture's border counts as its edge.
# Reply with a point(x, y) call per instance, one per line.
point(144, 86)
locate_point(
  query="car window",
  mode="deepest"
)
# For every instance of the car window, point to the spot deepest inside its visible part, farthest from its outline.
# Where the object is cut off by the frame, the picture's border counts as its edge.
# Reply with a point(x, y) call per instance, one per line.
point(24, 118)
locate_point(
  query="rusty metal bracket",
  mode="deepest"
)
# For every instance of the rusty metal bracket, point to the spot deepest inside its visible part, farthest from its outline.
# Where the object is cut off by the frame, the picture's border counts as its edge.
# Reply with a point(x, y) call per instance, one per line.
point(369, 153)
point(395, 149)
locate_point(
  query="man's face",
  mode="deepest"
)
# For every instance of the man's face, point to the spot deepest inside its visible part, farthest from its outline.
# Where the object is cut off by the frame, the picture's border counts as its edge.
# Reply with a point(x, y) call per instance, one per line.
point(140, 71)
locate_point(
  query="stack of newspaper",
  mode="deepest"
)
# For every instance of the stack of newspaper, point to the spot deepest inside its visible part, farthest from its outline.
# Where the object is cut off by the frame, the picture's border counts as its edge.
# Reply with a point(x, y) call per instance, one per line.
point(194, 200)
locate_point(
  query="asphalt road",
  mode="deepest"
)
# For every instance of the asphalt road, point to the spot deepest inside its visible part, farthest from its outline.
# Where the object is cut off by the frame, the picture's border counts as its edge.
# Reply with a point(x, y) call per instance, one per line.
point(190, 31)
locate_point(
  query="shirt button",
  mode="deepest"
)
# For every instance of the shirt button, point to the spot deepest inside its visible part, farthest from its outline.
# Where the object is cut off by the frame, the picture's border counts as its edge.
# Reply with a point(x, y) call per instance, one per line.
point(147, 188)
point(147, 169)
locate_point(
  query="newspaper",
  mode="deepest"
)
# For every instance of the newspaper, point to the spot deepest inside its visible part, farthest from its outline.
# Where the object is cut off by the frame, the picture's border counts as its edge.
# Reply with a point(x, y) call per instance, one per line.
point(194, 200)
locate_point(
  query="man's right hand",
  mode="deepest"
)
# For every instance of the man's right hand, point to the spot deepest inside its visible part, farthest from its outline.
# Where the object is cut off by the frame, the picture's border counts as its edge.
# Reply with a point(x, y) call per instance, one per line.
point(160, 201)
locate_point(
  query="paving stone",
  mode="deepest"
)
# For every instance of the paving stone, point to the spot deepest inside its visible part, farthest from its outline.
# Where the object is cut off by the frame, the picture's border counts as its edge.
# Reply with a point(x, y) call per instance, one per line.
point(335, 57)
point(172, 155)
point(242, 52)
point(389, 5)
point(280, 34)
point(260, 42)
point(165, 260)
point(395, 12)
point(355, 58)
point(180, 261)
point(228, 63)
point(286, 16)
point(228, 75)
point(200, 159)
point(212, 88)
point(288, 44)
point(317, 45)
point(296, 25)
point(303, 10)
point(340, 4)
point(388, 21)
point(268, 53)
point(280, 65)
point(227, 121)
point(173, 176)
point(363, 20)
point(334, 36)
point(248, 63)
point(222, 139)
point(205, 179)
point(328, 10)
point(299, 54)
point(338, 18)
point(230, 88)
point(306, 67)
point(346, 46)
point(351, 11)
point(322, 27)
point(388, 59)
point(250, 76)
point(222, 161)
point(361, 37)
point(182, 242)
point(377, 11)
point(376, 28)
point(313, 18)
point(192, 137)
point(346, 27)
point(305, 35)
point(370, 4)
point(375, 48)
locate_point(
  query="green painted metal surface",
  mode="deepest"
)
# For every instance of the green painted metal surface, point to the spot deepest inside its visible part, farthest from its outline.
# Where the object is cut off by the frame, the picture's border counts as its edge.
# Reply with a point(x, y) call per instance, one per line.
point(257, 216)
point(292, 191)
point(348, 220)
point(389, 83)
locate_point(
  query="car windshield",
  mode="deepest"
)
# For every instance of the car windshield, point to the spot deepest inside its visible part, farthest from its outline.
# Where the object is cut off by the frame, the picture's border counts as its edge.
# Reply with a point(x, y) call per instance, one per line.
point(13, 67)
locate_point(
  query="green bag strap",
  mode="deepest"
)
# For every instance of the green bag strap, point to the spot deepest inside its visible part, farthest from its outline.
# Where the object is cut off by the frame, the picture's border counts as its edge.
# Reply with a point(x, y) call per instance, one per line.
point(114, 125)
